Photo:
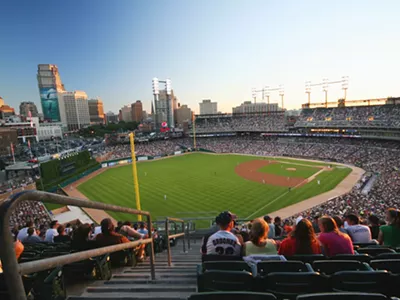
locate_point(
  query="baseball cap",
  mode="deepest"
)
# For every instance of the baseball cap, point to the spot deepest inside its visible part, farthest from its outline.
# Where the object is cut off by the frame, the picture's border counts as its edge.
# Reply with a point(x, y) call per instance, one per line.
point(298, 219)
point(225, 218)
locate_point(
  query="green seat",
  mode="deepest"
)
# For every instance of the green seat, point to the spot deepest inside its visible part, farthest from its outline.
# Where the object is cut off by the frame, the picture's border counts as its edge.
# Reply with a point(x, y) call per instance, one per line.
point(233, 296)
point(227, 266)
point(307, 258)
point(288, 285)
point(342, 296)
point(374, 251)
point(359, 257)
point(266, 267)
point(217, 280)
point(328, 267)
point(390, 265)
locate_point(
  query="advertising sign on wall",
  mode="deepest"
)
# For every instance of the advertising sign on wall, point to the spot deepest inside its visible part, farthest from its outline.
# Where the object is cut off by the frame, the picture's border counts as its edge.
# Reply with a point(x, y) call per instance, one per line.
point(49, 100)
point(142, 158)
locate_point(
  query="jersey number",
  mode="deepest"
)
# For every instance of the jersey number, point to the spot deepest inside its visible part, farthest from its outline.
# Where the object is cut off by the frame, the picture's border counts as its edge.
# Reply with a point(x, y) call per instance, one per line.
point(224, 251)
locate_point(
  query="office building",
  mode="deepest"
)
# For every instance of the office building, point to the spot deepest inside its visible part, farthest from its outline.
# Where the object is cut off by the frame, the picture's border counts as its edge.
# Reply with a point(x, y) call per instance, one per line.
point(137, 111)
point(96, 111)
point(111, 117)
point(125, 113)
point(249, 107)
point(165, 107)
point(183, 114)
point(6, 111)
point(74, 109)
point(1, 102)
point(26, 107)
point(50, 86)
point(8, 136)
point(208, 108)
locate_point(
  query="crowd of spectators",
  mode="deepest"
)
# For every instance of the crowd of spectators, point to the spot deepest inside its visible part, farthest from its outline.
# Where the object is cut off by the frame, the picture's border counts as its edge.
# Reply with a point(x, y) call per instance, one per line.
point(273, 122)
point(14, 183)
point(362, 116)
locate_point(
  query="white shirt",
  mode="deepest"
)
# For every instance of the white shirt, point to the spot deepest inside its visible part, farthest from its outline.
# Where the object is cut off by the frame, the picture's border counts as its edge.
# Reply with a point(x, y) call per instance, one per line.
point(223, 243)
point(50, 234)
point(359, 233)
point(23, 234)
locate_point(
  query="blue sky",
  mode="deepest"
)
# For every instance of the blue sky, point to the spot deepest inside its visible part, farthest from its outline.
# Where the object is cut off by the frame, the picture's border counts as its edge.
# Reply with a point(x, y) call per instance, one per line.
point(216, 49)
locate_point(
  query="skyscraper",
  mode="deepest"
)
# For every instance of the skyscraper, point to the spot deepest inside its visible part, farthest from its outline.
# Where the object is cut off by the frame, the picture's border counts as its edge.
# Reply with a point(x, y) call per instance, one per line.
point(96, 111)
point(137, 111)
point(74, 109)
point(50, 85)
point(26, 107)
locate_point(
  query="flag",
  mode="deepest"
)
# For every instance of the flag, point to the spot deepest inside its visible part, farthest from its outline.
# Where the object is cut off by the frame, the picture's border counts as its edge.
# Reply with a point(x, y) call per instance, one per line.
point(29, 144)
point(30, 116)
point(12, 149)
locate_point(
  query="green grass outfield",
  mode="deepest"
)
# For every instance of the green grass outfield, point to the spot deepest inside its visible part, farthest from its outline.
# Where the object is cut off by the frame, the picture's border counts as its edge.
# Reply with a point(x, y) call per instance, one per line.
point(200, 185)
point(281, 169)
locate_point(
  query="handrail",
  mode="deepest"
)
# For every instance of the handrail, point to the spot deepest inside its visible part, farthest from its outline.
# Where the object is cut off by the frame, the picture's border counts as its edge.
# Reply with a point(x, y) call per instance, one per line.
point(175, 220)
point(13, 271)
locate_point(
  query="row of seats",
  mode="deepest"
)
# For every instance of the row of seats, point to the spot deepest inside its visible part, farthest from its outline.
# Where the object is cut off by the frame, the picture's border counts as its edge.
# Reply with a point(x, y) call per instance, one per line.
point(269, 296)
point(288, 279)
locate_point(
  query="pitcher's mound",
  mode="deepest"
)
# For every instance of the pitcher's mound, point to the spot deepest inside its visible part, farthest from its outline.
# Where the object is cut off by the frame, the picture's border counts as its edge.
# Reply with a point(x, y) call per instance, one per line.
point(290, 169)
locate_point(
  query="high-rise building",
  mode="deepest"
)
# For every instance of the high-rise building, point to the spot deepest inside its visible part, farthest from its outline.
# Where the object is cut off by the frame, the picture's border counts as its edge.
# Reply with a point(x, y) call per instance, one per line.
point(125, 113)
point(137, 111)
point(111, 117)
point(249, 107)
point(50, 85)
point(208, 108)
point(183, 114)
point(74, 109)
point(26, 107)
point(96, 111)
point(165, 108)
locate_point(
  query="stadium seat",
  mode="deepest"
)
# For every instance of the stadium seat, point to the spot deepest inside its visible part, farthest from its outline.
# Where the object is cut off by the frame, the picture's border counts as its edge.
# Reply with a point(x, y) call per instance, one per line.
point(291, 284)
point(93, 268)
point(390, 265)
point(266, 267)
point(220, 258)
point(28, 281)
point(342, 296)
point(124, 258)
point(233, 296)
point(307, 258)
point(362, 281)
point(359, 257)
point(328, 267)
point(228, 266)
point(374, 251)
point(216, 280)
point(365, 245)
point(388, 256)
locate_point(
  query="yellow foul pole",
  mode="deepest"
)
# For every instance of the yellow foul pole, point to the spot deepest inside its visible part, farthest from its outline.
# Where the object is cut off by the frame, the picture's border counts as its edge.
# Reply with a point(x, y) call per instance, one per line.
point(194, 131)
point(134, 173)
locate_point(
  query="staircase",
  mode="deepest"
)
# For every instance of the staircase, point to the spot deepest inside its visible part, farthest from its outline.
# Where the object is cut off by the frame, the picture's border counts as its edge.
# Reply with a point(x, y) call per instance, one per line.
point(171, 283)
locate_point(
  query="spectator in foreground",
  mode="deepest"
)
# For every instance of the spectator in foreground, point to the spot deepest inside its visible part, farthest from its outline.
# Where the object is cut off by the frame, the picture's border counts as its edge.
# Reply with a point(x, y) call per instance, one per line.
point(23, 233)
point(81, 238)
point(32, 238)
point(62, 237)
point(302, 240)
point(142, 229)
point(223, 242)
point(389, 235)
point(108, 236)
point(358, 233)
point(18, 249)
point(52, 232)
point(278, 227)
point(315, 224)
point(332, 240)
point(271, 233)
point(339, 223)
point(259, 242)
point(374, 226)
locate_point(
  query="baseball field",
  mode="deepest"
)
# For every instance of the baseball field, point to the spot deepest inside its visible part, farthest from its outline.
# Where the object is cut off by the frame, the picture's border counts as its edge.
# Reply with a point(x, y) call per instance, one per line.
point(201, 185)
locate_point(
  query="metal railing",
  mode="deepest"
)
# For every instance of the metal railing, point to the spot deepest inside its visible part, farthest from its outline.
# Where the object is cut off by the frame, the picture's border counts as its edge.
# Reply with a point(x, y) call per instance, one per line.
point(13, 271)
point(176, 235)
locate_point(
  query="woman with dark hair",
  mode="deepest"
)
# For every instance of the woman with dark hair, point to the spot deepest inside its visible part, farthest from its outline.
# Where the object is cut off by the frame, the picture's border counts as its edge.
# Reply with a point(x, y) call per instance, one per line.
point(374, 226)
point(80, 238)
point(259, 242)
point(389, 235)
point(302, 240)
point(332, 240)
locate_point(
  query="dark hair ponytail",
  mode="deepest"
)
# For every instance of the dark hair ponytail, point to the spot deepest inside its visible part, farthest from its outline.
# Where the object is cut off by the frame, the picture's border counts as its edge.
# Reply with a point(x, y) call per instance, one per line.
point(395, 215)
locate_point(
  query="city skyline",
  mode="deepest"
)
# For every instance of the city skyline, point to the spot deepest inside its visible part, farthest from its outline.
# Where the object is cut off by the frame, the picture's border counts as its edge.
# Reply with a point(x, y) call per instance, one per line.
point(224, 49)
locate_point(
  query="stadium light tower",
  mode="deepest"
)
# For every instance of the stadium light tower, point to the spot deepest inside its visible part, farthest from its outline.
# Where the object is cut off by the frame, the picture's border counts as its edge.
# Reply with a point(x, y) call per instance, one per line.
point(281, 93)
point(308, 92)
point(325, 86)
point(345, 86)
point(267, 92)
point(254, 94)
